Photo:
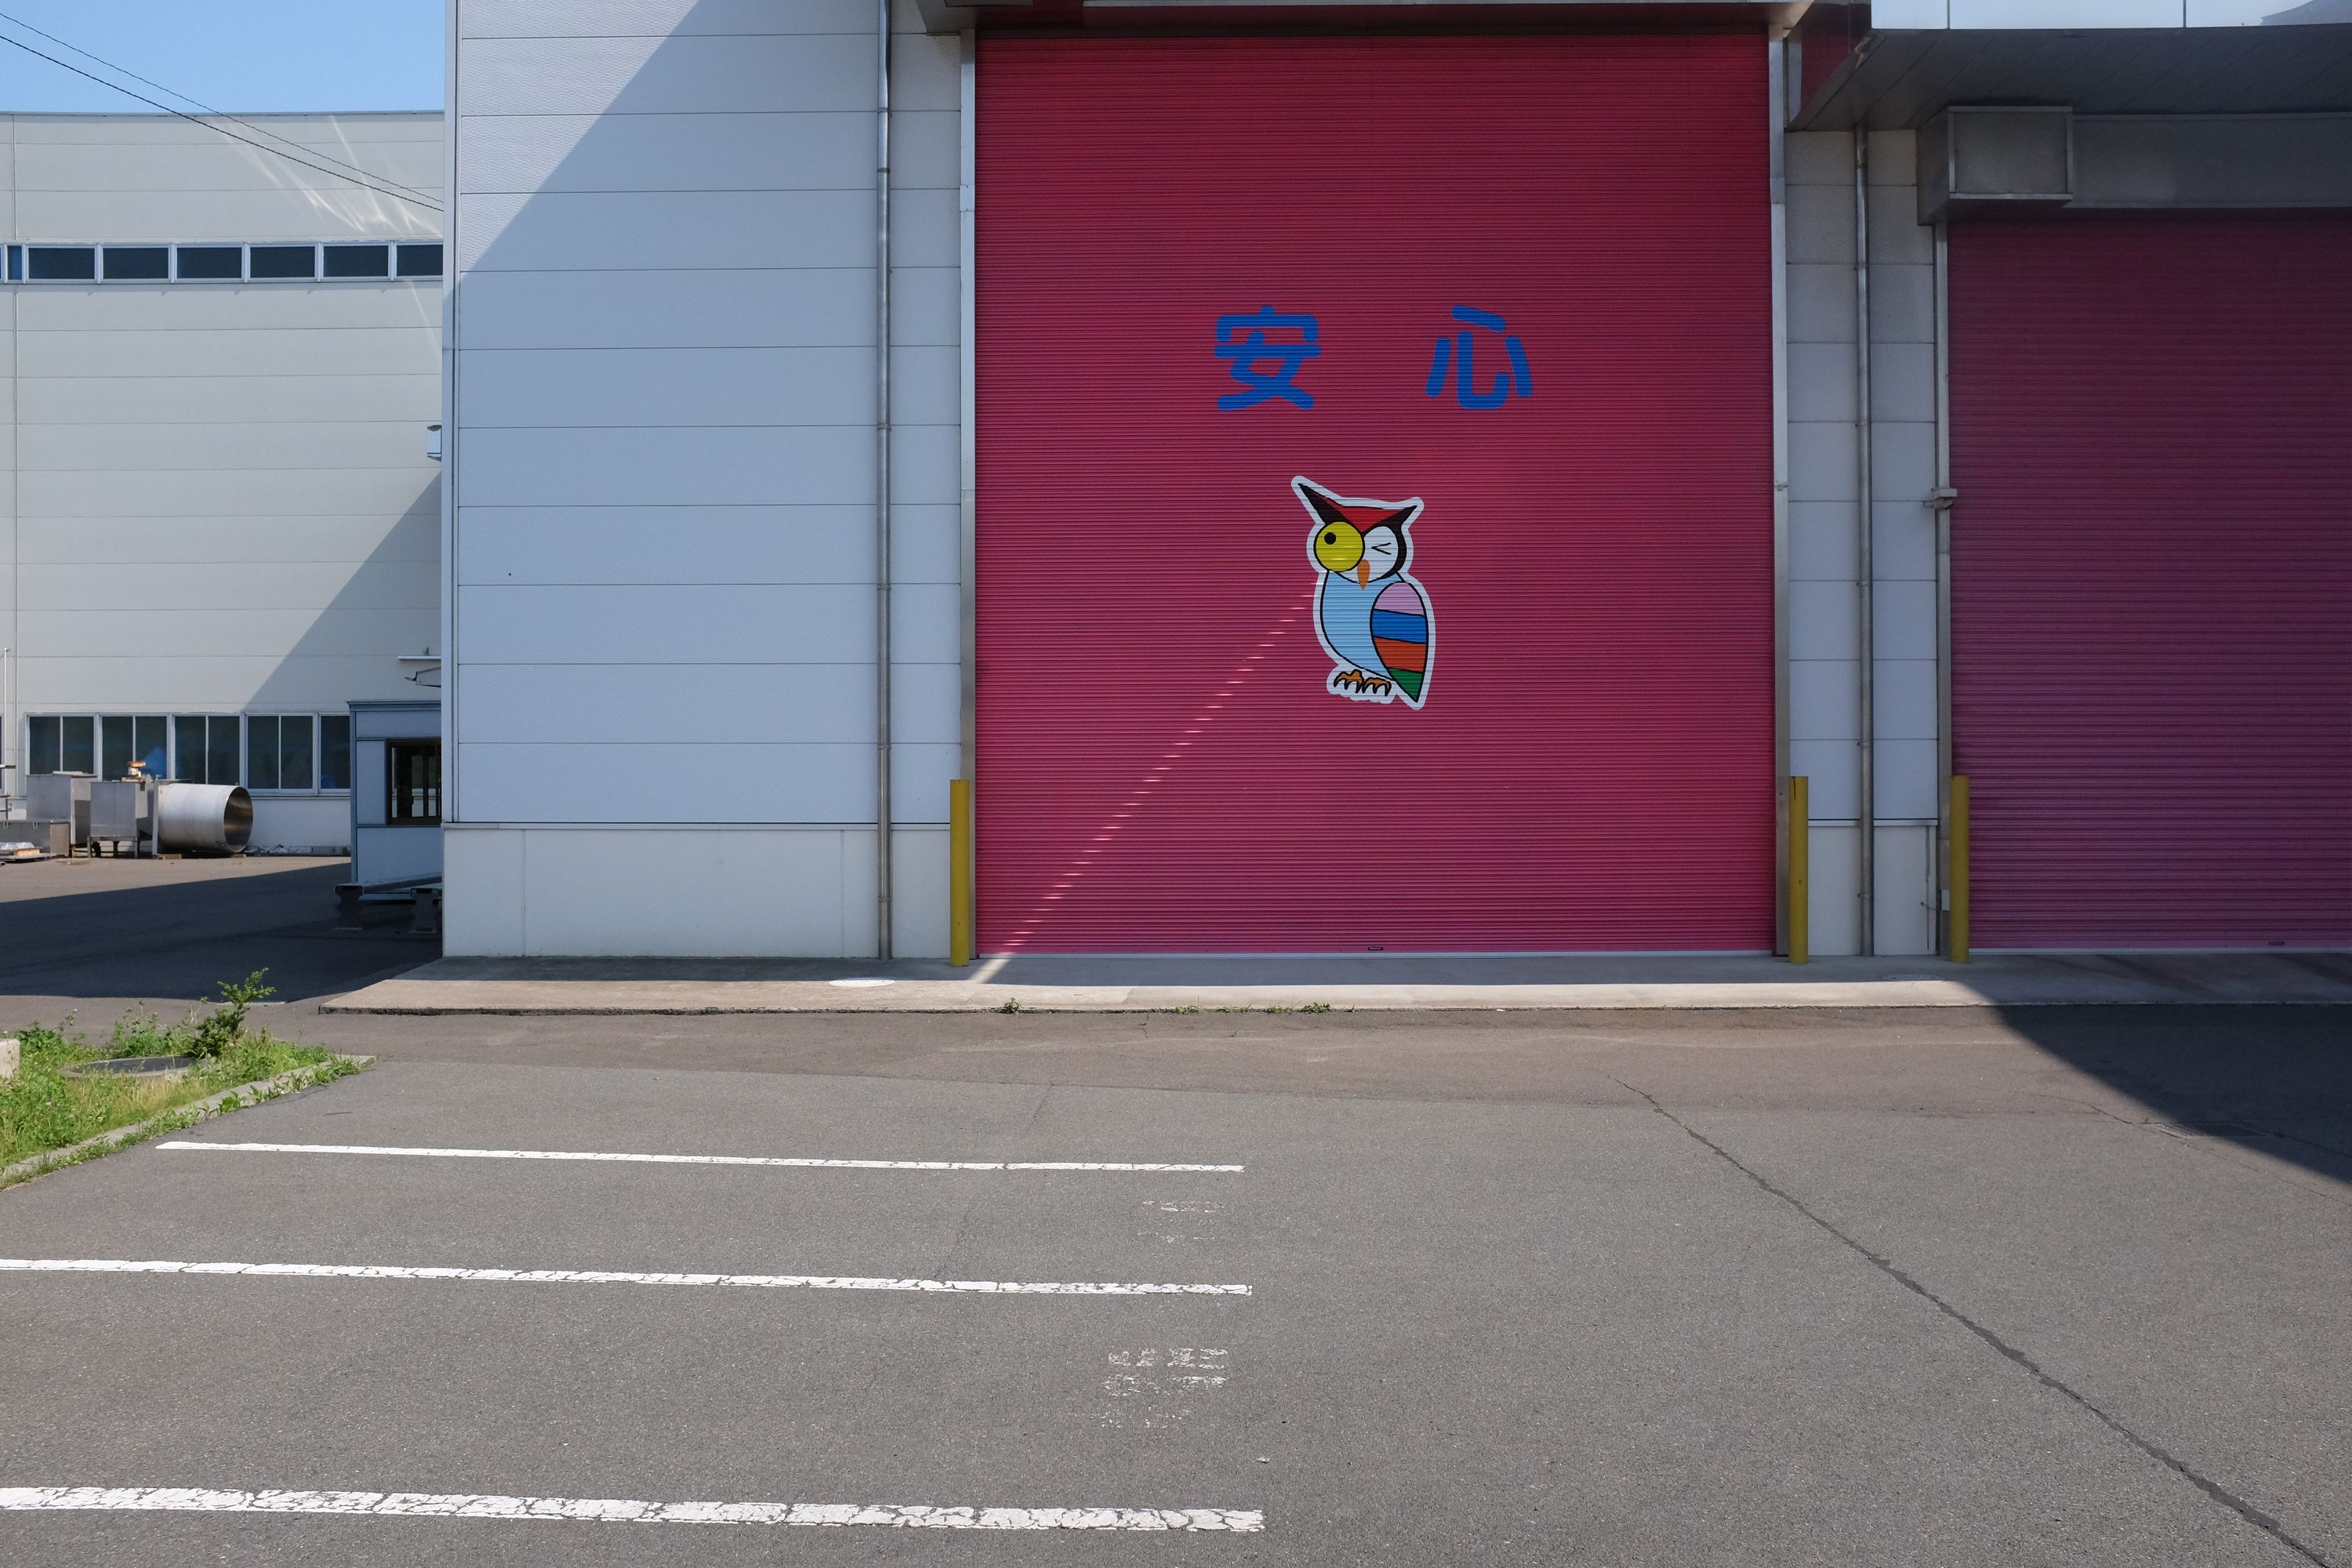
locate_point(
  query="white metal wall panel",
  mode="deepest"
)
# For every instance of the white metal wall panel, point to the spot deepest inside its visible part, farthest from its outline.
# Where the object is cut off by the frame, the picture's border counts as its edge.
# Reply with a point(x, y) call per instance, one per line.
point(743, 73)
point(647, 231)
point(710, 623)
point(818, 151)
point(227, 586)
point(589, 388)
point(223, 400)
point(659, 704)
point(748, 307)
point(693, 185)
point(697, 465)
point(349, 351)
point(387, 494)
point(238, 542)
point(351, 446)
point(1824, 674)
point(165, 636)
point(658, 18)
point(554, 545)
point(803, 782)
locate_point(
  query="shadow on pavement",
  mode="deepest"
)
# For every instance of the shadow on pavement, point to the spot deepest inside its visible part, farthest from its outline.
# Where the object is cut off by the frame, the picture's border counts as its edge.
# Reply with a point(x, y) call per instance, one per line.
point(171, 930)
point(2275, 1079)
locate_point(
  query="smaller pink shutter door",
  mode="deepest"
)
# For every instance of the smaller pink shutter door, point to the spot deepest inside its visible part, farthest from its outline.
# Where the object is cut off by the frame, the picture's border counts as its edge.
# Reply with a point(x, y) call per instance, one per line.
point(2152, 578)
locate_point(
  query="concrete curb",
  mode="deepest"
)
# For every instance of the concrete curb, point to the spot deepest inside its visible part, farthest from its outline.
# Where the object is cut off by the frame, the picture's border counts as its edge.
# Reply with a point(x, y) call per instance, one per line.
point(609, 987)
point(291, 1081)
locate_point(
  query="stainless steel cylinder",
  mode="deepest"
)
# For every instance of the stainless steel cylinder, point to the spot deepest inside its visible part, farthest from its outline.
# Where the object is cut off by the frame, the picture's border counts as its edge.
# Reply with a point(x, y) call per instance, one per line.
point(203, 819)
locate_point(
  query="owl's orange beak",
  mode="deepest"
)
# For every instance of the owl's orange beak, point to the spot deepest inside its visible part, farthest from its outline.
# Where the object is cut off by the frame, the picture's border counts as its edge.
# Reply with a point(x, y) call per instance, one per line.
point(1364, 573)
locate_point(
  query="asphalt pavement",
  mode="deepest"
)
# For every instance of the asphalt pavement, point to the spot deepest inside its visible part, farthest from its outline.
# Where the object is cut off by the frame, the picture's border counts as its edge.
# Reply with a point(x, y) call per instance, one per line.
point(1952, 1286)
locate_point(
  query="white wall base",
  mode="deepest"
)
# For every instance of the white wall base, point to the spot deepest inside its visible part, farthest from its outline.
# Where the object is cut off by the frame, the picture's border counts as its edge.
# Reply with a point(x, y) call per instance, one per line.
point(300, 824)
point(686, 892)
point(1907, 890)
point(1831, 893)
point(1905, 913)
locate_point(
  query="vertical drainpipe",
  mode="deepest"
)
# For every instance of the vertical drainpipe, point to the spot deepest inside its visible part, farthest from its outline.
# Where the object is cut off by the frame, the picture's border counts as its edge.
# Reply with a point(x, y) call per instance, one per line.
point(1940, 503)
point(882, 867)
point(1865, 572)
point(1776, 101)
point(453, 803)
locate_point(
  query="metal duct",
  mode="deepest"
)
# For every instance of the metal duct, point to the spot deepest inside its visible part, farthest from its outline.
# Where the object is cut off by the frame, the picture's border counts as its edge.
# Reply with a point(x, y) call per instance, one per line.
point(203, 819)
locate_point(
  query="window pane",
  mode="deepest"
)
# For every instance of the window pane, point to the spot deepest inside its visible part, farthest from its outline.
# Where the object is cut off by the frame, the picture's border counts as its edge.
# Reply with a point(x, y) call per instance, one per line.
point(414, 795)
point(420, 260)
point(285, 261)
point(261, 753)
point(44, 749)
point(147, 743)
point(15, 263)
point(68, 262)
point(113, 746)
point(212, 261)
point(188, 749)
point(355, 261)
point(80, 747)
point(220, 749)
point(294, 752)
point(334, 751)
point(138, 261)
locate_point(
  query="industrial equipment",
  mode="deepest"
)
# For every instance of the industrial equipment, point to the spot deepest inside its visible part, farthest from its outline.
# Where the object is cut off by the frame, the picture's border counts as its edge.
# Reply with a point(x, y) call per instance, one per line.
point(203, 819)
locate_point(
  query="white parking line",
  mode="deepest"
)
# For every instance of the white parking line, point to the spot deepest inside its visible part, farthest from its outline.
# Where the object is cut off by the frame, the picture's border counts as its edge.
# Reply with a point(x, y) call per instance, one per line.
point(606, 1277)
point(618, 1510)
point(695, 1159)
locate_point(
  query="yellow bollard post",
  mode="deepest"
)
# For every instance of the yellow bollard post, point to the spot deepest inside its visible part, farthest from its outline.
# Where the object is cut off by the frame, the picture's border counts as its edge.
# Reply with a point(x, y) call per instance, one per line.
point(1801, 904)
point(959, 872)
point(1956, 875)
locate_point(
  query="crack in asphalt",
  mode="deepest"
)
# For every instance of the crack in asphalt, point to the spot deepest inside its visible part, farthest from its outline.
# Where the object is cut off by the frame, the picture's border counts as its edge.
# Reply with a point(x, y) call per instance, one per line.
point(2210, 1488)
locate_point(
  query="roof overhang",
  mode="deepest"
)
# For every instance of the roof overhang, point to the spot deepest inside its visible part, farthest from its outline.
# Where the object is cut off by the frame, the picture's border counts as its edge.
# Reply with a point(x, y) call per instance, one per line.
point(1901, 79)
point(1347, 16)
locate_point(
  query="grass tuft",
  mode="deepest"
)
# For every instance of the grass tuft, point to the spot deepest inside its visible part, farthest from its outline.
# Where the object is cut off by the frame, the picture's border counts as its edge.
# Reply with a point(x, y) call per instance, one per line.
point(1011, 1005)
point(1317, 1008)
point(42, 1108)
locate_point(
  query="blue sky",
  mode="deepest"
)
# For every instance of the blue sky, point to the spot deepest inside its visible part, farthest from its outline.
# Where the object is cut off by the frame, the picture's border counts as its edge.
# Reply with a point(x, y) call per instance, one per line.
point(241, 55)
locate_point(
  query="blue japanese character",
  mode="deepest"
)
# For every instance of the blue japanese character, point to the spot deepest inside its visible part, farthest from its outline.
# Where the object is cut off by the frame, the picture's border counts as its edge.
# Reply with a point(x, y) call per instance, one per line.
point(1458, 349)
point(1243, 341)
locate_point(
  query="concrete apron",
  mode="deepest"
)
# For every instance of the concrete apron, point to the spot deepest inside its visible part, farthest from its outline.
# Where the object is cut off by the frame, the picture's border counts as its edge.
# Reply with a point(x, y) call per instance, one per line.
point(1387, 982)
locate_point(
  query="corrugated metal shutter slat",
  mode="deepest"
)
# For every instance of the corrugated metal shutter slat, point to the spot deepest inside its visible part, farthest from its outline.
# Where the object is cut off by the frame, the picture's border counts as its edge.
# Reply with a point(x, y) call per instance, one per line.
point(2152, 564)
point(1161, 767)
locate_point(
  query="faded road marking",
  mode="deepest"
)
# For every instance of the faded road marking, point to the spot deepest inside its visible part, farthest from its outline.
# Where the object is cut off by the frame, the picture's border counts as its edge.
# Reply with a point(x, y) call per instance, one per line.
point(606, 1277)
point(618, 1510)
point(690, 1159)
point(1154, 1384)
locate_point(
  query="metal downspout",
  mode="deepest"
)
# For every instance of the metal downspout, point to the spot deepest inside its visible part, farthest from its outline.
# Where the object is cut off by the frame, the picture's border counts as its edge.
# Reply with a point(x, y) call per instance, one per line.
point(1940, 501)
point(882, 823)
point(1865, 573)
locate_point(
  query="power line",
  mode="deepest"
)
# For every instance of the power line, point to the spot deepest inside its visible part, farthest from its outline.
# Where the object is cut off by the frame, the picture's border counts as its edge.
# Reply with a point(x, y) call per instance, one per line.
point(208, 109)
point(274, 152)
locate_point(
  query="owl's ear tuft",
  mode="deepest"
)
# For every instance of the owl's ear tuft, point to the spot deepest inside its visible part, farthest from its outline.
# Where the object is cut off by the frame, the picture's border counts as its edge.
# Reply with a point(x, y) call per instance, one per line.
point(1402, 516)
point(1321, 503)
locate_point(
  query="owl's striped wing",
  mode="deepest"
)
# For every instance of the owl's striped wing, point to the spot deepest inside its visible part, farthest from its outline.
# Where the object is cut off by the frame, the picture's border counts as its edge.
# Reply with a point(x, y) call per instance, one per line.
point(1400, 635)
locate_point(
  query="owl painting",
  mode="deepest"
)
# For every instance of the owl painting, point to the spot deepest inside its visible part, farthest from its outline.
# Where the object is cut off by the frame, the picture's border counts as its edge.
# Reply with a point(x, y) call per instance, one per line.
point(1373, 619)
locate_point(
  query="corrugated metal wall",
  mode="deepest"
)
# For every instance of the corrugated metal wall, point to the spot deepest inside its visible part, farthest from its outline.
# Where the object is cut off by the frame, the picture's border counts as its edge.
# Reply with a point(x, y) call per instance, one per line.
point(1161, 766)
point(2151, 571)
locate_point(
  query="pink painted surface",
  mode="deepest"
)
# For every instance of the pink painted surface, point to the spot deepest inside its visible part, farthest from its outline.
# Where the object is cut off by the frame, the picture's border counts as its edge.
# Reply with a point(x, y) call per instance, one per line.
point(2152, 578)
point(1161, 767)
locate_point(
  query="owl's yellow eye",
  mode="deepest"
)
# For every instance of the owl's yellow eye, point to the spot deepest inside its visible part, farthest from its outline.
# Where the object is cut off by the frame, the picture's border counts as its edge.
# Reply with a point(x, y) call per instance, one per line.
point(1338, 547)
